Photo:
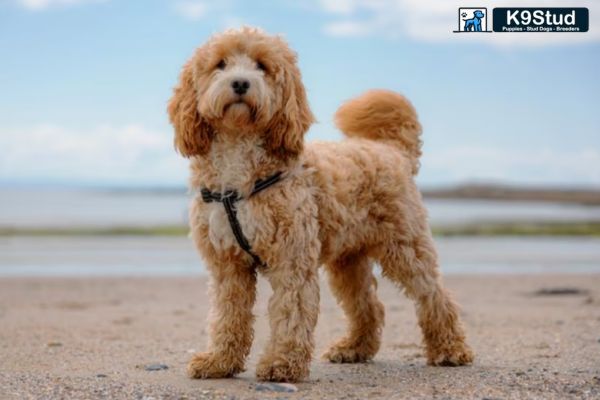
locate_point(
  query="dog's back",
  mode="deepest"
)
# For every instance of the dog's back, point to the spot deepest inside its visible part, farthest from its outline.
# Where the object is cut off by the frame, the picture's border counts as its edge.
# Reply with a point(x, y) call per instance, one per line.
point(365, 186)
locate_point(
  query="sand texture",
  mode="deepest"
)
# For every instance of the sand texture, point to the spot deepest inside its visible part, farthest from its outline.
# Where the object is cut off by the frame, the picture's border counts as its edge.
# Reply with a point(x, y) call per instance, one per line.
point(97, 338)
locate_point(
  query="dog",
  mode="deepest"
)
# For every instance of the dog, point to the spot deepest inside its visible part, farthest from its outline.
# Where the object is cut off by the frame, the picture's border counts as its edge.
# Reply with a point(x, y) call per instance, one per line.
point(474, 24)
point(274, 205)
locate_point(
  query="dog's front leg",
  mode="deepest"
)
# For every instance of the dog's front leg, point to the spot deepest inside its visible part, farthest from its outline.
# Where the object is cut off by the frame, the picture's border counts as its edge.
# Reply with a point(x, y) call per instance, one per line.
point(233, 291)
point(293, 312)
point(294, 305)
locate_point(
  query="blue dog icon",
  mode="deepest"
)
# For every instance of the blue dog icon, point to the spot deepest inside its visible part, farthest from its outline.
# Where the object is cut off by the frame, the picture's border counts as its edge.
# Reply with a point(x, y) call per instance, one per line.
point(474, 24)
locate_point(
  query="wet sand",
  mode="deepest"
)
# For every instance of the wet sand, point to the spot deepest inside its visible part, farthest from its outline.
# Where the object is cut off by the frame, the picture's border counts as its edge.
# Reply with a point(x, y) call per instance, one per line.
point(86, 256)
point(93, 338)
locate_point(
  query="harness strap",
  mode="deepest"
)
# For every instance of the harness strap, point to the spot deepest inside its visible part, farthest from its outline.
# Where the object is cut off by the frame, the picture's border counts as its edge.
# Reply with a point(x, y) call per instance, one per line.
point(229, 198)
point(265, 183)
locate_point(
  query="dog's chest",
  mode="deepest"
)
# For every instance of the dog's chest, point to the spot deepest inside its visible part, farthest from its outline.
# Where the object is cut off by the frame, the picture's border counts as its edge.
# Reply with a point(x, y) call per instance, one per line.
point(220, 233)
point(232, 164)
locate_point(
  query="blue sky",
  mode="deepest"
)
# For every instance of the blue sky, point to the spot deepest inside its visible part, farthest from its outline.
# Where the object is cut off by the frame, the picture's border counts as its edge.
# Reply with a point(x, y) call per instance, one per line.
point(84, 85)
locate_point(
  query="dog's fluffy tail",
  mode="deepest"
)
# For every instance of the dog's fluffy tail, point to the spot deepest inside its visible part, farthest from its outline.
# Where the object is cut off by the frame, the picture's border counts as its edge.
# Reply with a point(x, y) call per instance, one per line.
point(384, 116)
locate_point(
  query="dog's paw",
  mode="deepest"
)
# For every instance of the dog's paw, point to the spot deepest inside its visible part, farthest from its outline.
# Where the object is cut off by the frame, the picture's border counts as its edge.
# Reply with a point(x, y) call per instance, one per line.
point(459, 354)
point(279, 369)
point(209, 365)
point(347, 354)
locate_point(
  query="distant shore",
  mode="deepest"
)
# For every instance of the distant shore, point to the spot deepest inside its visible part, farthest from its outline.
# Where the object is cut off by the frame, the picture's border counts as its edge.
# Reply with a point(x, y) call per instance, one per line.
point(534, 228)
point(586, 196)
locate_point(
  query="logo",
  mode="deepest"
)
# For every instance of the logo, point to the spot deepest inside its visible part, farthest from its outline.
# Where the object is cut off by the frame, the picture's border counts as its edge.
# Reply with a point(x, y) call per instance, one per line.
point(541, 19)
point(472, 19)
point(524, 19)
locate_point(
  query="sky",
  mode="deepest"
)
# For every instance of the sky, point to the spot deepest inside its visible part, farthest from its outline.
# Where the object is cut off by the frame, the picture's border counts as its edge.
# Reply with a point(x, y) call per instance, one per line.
point(84, 85)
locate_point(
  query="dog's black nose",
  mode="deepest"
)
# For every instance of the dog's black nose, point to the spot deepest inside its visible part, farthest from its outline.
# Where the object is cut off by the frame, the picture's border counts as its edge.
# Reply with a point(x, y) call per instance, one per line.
point(240, 86)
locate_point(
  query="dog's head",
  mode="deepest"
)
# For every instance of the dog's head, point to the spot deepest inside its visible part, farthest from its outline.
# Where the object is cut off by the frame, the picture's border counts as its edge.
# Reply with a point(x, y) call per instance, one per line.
point(478, 14)
point(241, 82)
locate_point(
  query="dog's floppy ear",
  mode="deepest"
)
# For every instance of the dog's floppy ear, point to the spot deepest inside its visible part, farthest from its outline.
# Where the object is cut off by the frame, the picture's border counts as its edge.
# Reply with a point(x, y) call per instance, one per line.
point(285, 132)
point(193, 133)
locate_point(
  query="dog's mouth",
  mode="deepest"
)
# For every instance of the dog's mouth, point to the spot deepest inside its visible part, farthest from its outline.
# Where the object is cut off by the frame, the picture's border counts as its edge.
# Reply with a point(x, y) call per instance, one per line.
point(240, 107)
point(237, 103)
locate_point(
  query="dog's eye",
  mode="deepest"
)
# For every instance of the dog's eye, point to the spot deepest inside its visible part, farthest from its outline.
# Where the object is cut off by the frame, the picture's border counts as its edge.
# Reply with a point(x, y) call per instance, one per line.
point(221, 64)
point(261, 66)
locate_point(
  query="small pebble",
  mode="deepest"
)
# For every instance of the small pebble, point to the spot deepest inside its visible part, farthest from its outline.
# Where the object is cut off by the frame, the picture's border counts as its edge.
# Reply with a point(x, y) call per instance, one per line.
point(276, 387)
point(101, 375)
point(156, 367)
point(54, 344)
point(519, 373)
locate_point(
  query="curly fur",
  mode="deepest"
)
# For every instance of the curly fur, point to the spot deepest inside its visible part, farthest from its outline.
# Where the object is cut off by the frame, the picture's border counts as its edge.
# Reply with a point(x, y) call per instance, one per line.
point(343, 205)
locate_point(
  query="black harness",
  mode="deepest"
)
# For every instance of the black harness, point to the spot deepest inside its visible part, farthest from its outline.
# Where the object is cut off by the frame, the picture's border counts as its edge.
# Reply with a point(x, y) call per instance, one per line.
point(229, 198)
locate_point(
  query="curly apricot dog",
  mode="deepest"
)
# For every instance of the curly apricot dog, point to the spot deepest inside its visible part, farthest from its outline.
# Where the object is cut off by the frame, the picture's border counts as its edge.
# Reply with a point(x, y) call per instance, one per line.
point(272, 204)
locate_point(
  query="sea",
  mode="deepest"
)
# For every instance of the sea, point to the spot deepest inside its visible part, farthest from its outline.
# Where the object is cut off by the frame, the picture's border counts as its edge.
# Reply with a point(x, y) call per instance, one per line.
point(24, 208)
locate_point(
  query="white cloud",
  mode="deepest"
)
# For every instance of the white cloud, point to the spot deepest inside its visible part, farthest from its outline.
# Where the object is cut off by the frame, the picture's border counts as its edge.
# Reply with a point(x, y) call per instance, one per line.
point(112, 154)
point(39, 5)
point(543, 166)
point(133, 154)
point(434, 21)
point(192, 9)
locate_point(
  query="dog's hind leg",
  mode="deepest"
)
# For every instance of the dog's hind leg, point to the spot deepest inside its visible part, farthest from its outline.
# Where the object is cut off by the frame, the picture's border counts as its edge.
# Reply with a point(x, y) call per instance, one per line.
point(354, 286)
point(412, 264)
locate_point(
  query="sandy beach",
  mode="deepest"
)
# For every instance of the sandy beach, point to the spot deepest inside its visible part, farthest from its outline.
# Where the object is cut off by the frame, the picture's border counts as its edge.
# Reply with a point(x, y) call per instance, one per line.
point(96, 338)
